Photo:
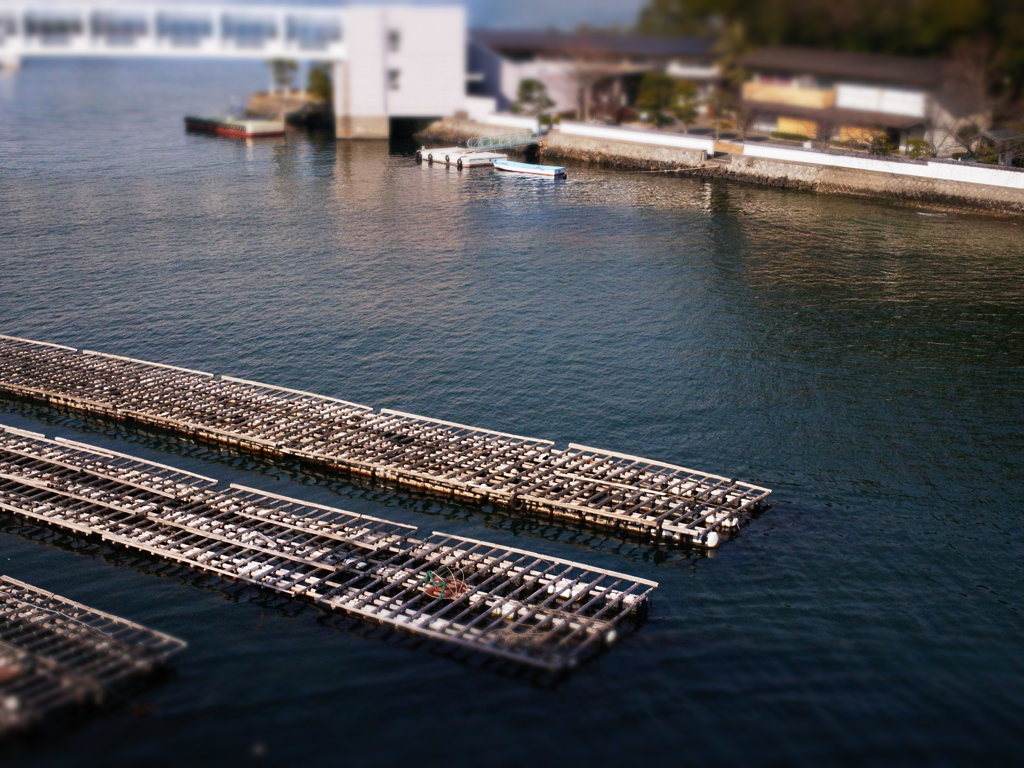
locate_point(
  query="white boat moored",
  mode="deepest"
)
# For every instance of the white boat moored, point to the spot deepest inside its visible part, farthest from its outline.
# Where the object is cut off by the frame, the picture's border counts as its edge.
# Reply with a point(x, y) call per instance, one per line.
point(532, 169)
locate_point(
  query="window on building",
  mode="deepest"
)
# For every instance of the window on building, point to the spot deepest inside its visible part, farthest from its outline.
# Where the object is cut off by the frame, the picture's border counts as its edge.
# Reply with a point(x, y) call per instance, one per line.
point(394, 79)
point(394, 40)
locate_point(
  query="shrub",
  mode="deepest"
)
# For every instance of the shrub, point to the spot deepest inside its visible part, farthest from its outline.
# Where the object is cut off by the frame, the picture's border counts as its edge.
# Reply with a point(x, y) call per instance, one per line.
point(532, 98)
point(789, 136)
point(881, 145)
point(318, 82)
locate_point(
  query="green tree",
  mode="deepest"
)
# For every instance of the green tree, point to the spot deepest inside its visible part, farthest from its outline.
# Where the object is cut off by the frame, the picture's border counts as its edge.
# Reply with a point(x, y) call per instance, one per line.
point(686, 103)
point(657, 95)
point(908, 27)
point(919, 149)
point(318, 82)
point(968, 136)
point(723, 107)
point(282, 72)
point(532, 98)
point(881, 145)
point(731, 45)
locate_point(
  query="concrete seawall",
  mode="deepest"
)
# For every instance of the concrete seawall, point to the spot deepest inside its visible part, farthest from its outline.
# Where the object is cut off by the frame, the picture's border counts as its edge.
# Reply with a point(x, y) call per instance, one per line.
point(556, 146)
point(768, 172)
point(849, 181)
point(618, 154)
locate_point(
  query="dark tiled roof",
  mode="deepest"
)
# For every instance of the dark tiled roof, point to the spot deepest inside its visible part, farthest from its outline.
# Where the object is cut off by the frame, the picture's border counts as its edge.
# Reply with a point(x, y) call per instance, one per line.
point(1009, 135)
point(859, 66)
point(594, 43)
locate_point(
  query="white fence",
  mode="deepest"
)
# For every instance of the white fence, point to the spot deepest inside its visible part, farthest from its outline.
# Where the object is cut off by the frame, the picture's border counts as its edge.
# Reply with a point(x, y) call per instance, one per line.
point(928, 169)
point(507, 121)
point(479, 108)
point(947, 171)
point(637, 136)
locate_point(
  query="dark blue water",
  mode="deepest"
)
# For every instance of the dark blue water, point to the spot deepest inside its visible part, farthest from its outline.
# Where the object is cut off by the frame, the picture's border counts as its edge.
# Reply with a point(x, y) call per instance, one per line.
point(861, 359)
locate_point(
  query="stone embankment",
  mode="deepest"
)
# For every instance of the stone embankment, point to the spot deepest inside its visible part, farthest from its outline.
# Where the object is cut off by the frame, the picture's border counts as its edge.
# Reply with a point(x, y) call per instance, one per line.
point(298, 107)
point(769, 172)
point(850, 181)
point(453, 131)
point(619, 154)
point(276, 105)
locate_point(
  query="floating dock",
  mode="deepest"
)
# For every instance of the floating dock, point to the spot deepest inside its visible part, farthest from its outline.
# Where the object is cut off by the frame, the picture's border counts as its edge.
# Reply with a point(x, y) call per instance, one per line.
point(56, 654)
point(517, 606)
point(613, 491)
point(460, 157)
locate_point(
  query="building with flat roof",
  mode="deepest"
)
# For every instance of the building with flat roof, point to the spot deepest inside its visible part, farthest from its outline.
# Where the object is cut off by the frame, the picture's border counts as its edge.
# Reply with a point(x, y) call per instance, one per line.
point(856, 97)
point(589, 73)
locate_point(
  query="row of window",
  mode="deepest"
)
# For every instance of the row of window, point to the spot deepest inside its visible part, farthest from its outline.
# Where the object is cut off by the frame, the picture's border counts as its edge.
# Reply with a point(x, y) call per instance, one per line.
point(184, 27)
point(176, 27)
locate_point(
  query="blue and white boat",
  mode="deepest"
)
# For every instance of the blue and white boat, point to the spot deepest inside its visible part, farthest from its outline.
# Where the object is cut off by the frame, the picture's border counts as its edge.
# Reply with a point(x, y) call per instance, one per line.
point(551, 171)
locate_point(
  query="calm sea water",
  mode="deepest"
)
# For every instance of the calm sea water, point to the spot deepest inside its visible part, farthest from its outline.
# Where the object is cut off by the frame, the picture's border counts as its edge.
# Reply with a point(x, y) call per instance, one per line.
point(863, 360)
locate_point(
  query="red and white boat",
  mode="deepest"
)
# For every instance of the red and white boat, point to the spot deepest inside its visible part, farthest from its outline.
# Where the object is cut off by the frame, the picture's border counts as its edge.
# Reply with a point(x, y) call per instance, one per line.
point(238, 128)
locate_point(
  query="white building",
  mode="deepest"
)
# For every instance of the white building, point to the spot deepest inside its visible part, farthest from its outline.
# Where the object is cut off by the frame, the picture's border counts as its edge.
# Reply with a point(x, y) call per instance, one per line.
point(402, 61)
point(389, 61)
point(857, 97)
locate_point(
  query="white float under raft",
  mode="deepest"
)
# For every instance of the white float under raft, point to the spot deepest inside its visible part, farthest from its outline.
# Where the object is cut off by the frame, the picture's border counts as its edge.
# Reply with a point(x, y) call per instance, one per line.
point(57, 655)
point(620, 493)
point(494, 601)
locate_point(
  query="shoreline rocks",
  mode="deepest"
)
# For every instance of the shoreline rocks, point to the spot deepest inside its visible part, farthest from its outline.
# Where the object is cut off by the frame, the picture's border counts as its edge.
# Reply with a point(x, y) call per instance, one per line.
point(938, 193)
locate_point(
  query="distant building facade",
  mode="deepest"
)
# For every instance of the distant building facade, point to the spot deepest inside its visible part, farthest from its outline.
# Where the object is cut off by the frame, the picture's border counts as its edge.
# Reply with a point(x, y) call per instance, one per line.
point(590, 74)
point(402, 61)
point(389, 61)
point(836, 95)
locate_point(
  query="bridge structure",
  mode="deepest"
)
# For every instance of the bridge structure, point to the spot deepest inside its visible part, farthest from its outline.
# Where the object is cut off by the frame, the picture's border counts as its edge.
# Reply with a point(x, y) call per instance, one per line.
point(388, 61)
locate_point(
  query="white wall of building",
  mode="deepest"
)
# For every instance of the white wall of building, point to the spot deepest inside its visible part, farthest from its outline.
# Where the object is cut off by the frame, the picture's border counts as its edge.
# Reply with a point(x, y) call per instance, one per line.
point(561, 81)
point(889, 101)
point(505, 120)
point(403, 61)
point(428, 59)
point(359, 81)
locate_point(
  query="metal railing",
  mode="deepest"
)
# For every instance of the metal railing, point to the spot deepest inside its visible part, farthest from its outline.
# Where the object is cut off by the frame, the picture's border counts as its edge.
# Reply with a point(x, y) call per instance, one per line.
point(506, 141)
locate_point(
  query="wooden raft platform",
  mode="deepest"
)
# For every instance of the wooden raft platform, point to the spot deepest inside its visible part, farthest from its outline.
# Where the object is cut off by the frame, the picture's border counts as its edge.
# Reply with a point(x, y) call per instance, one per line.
point(498, 601)
point(589, 485)
point(57, 654)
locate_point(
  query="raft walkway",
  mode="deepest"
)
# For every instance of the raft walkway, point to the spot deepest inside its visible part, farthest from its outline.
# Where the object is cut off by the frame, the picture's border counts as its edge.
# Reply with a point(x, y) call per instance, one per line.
point(592, 486)
point(517, 606)
point(56, 654)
